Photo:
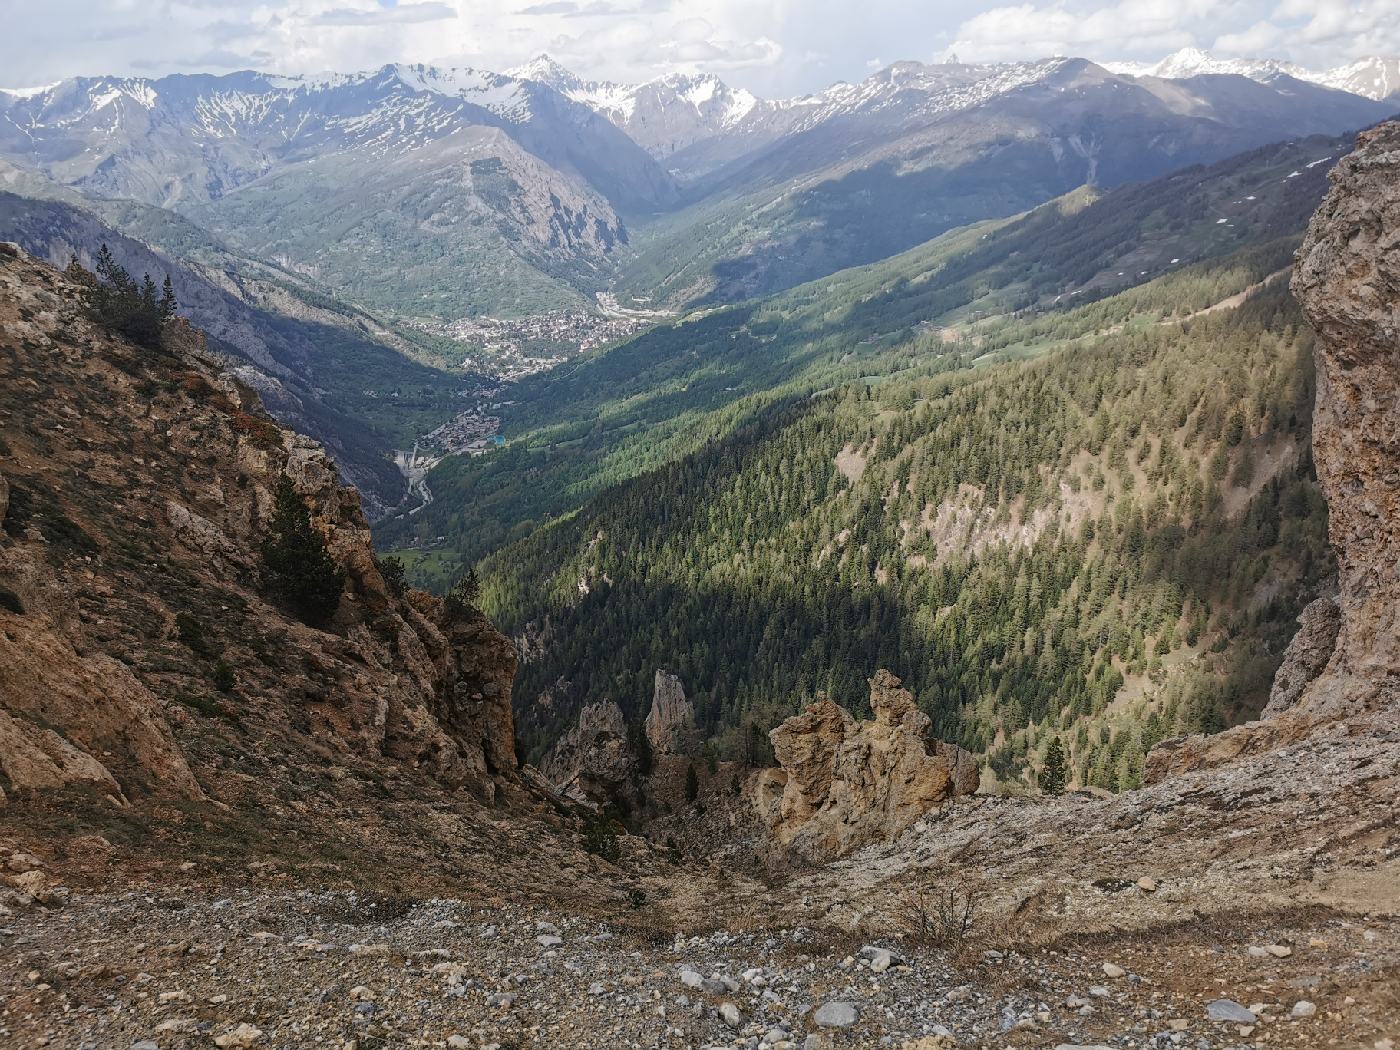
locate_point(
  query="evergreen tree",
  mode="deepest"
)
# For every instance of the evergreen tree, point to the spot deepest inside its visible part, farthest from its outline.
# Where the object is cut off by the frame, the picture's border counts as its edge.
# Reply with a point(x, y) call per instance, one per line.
point(118, 302)
point(301, 571)
point(460, 602)
point(1054, 774)
point(692, 783)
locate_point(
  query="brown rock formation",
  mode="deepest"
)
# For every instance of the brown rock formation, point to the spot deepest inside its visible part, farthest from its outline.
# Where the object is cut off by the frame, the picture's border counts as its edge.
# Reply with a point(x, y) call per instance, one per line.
point(593, 759)
point(842, 783)
point(671, 716)
point(1347, 278)
point(139, 652)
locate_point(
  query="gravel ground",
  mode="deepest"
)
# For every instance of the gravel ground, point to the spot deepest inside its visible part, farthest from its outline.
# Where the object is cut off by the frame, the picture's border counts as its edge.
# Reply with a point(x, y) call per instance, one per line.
point(150, 969)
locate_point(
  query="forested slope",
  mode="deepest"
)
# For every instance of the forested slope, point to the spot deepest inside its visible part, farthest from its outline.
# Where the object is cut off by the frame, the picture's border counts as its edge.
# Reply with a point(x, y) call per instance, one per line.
point(607, 417)
point(1109, 542)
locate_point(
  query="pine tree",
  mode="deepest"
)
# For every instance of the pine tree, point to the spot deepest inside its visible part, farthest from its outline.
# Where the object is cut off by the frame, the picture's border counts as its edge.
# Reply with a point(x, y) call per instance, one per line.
point(692, 784)
point(302, 572)
point(167, 305)
point(1054, 773)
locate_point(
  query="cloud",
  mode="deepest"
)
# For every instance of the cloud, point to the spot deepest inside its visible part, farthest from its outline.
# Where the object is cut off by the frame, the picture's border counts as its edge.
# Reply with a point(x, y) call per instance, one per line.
point(774, 47)
point(1039, 30)
point(403, 14)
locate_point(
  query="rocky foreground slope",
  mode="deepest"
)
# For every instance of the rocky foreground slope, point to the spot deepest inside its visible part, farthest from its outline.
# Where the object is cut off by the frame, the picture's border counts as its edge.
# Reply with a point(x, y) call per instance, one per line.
point(338, 852)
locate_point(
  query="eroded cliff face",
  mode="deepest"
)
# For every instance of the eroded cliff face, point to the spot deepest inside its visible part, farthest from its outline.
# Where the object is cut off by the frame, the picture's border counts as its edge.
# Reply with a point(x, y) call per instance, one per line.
point(1347, 279)
point(140, 655)
point(841, 783)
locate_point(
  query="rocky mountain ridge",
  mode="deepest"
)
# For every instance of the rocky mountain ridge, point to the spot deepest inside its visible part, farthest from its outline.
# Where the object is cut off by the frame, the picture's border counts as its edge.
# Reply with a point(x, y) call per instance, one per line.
point(403, 163)
point(141, 654)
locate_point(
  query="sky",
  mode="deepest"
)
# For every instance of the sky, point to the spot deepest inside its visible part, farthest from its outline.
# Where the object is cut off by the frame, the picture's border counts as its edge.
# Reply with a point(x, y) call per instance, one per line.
point(775, 48)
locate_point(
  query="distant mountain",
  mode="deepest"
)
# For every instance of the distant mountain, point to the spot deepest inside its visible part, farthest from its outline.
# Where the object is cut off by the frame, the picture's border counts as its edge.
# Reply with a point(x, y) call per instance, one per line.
point(414, 189)
point(915, 150)
point(1374, 78)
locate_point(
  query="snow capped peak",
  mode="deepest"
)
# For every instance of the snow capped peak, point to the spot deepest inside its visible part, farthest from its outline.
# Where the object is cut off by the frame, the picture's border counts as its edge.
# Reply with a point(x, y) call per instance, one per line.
point(1376, 77)
point(30, 92)
point(1193, 61)
point(544, 70)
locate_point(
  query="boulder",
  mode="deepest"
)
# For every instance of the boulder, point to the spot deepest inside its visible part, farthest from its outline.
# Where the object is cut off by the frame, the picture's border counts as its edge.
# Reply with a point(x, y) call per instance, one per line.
point(841, 783)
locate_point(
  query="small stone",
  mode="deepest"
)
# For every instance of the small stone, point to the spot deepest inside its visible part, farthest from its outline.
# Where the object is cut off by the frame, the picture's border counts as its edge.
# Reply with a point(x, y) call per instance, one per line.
point(1147, 884)
point(1113, 970)
point(506, 999)
point(1279, 951)
point(1303, 1008)
point(836, 1015)
point(691, 979)
point(459, 1042)
point(19, 863)
point(549, 940)
point(361, 994)
point(1229, 1010)
point(729, 1013)
point(244, 1035)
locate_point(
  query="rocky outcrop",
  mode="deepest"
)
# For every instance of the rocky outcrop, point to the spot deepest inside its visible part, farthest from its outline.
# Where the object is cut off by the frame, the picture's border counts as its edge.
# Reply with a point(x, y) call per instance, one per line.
point(1348, 281)
point(671, 717)
point(139, 642)
point(591, 761)
point(1307, 654)
point(841, 783)
point(1347, 278)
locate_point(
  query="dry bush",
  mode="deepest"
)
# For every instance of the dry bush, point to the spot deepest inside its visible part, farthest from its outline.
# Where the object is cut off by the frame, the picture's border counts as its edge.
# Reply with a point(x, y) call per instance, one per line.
point(941, 912)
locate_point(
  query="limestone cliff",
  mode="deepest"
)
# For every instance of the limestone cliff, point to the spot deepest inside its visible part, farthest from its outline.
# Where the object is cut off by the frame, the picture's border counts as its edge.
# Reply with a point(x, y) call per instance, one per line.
point(841, 783)
point(141, 655)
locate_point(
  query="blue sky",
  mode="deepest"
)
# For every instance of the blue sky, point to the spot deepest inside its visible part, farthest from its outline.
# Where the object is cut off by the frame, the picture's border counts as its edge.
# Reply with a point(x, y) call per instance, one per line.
point(774, 47)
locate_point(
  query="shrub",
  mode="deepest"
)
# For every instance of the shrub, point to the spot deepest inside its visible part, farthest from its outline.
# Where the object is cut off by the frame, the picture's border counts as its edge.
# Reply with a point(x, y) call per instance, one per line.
point(191, 632)
point(600, 839)
point(393, 572)
point(301, 570)
point(224, 678)
point(941, 915)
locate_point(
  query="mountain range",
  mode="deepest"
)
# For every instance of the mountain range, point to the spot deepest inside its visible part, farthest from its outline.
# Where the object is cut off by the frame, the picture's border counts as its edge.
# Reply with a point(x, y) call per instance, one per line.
point(434, 194)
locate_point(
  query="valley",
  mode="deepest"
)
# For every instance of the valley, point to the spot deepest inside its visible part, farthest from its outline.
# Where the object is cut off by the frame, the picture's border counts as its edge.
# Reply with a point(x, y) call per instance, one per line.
point(521, 560)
